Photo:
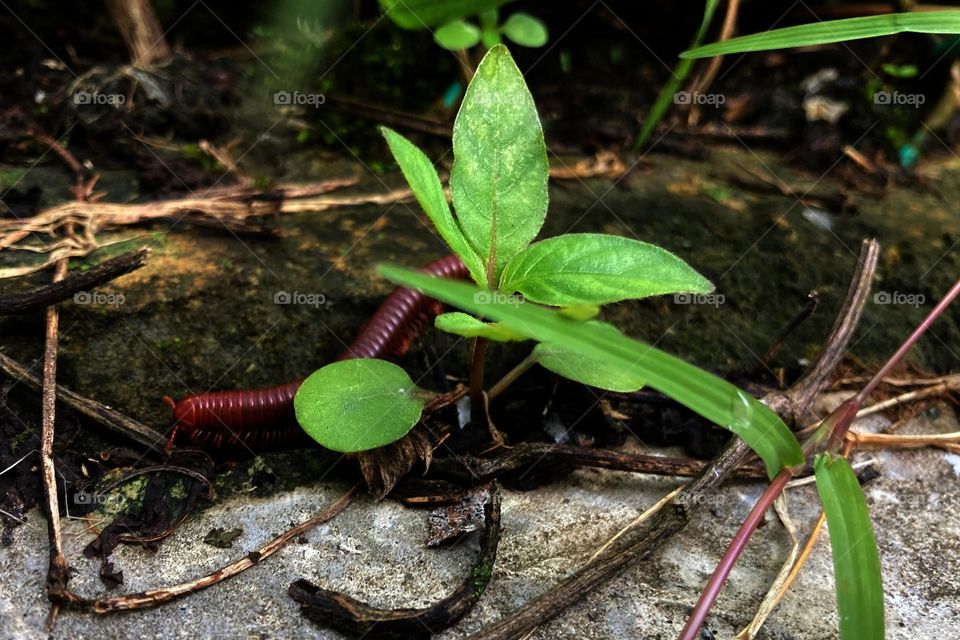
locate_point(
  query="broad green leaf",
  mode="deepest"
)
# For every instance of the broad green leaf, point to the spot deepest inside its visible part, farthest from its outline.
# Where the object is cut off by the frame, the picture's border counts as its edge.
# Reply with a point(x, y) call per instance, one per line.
point(356, 405)
point(712, 397)
point(806, 35)
point(525, 30)
point(467, 326)
point(500, 170)
point(457, 35)
point(420, 14)
point(595, 372)
point(856, 563)
point(423, 180)
point(668, 94)
point(593, 268)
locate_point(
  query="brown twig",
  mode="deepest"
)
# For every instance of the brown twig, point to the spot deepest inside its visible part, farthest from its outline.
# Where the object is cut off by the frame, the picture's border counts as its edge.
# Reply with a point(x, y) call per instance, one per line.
point(639, 543)
point(137, 22)
point(468, 468)
point(58, 571)
point(155, 597)
point(330, 608)
point(703, 81)
point(236, 209)
point(62, 290)
point(110, 419)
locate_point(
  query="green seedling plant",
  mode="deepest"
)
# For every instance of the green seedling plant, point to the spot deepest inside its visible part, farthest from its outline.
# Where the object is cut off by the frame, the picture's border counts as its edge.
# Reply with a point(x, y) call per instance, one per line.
point(498, 186)
point(549, 292)
point(448, 19)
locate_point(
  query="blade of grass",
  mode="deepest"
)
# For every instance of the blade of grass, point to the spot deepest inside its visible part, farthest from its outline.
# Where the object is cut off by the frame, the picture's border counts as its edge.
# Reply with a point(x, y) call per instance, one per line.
point(856, 563)
point(805, 35)
point(710, 396)
point(677, 76)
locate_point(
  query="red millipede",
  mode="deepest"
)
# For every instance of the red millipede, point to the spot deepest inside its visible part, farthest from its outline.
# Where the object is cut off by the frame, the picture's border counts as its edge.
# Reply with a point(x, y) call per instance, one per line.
point(264, 418)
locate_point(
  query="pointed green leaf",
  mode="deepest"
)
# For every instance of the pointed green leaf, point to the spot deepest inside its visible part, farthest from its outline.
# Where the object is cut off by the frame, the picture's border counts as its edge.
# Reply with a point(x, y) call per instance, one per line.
point(457, 35)
point(423, 180)
point(467, 326)
point(710, 396)
point(420, 14)
point(574, 365)
point(592, 268)
point(856, 563)
point(356, 405)
point(525, 30)
point(500, 170)
point(806, 35)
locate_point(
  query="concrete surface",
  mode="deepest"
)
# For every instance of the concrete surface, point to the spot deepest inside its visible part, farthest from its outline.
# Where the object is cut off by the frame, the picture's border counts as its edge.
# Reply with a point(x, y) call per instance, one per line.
point(376, 552)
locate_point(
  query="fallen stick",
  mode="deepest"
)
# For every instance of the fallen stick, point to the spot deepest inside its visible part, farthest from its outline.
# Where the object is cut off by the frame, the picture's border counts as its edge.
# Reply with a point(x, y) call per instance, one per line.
point(110, 419)
point(470, 468)
point(62, 290)
point(154, 597)
point(330, 608)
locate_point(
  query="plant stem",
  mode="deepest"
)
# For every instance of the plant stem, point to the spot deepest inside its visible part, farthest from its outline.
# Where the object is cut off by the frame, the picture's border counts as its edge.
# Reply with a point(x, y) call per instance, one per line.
point(739, 542)
point(511, 376)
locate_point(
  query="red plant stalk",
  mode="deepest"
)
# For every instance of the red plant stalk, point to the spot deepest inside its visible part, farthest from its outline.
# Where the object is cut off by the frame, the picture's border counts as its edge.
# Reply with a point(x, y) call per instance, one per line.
point(833, 428)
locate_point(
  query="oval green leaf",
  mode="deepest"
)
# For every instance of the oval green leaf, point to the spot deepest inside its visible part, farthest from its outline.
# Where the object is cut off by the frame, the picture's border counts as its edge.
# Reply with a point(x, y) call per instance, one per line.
point(593, 268)
point(500, 170)
point(457, 35)
point(856, 563)
point(712, 397)
point(574, 365)
point(425, 184)
point(465, 325)
point(826, 32)
point(525, 30)
point(356, 405)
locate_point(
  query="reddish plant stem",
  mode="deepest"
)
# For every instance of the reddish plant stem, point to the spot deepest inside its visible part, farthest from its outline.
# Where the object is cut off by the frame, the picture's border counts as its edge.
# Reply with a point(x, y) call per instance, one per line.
point(737, 545)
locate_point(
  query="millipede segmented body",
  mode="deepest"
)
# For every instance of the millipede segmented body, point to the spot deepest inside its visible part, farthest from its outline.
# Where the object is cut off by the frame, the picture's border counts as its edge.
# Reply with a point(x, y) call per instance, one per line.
point(264, 418)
